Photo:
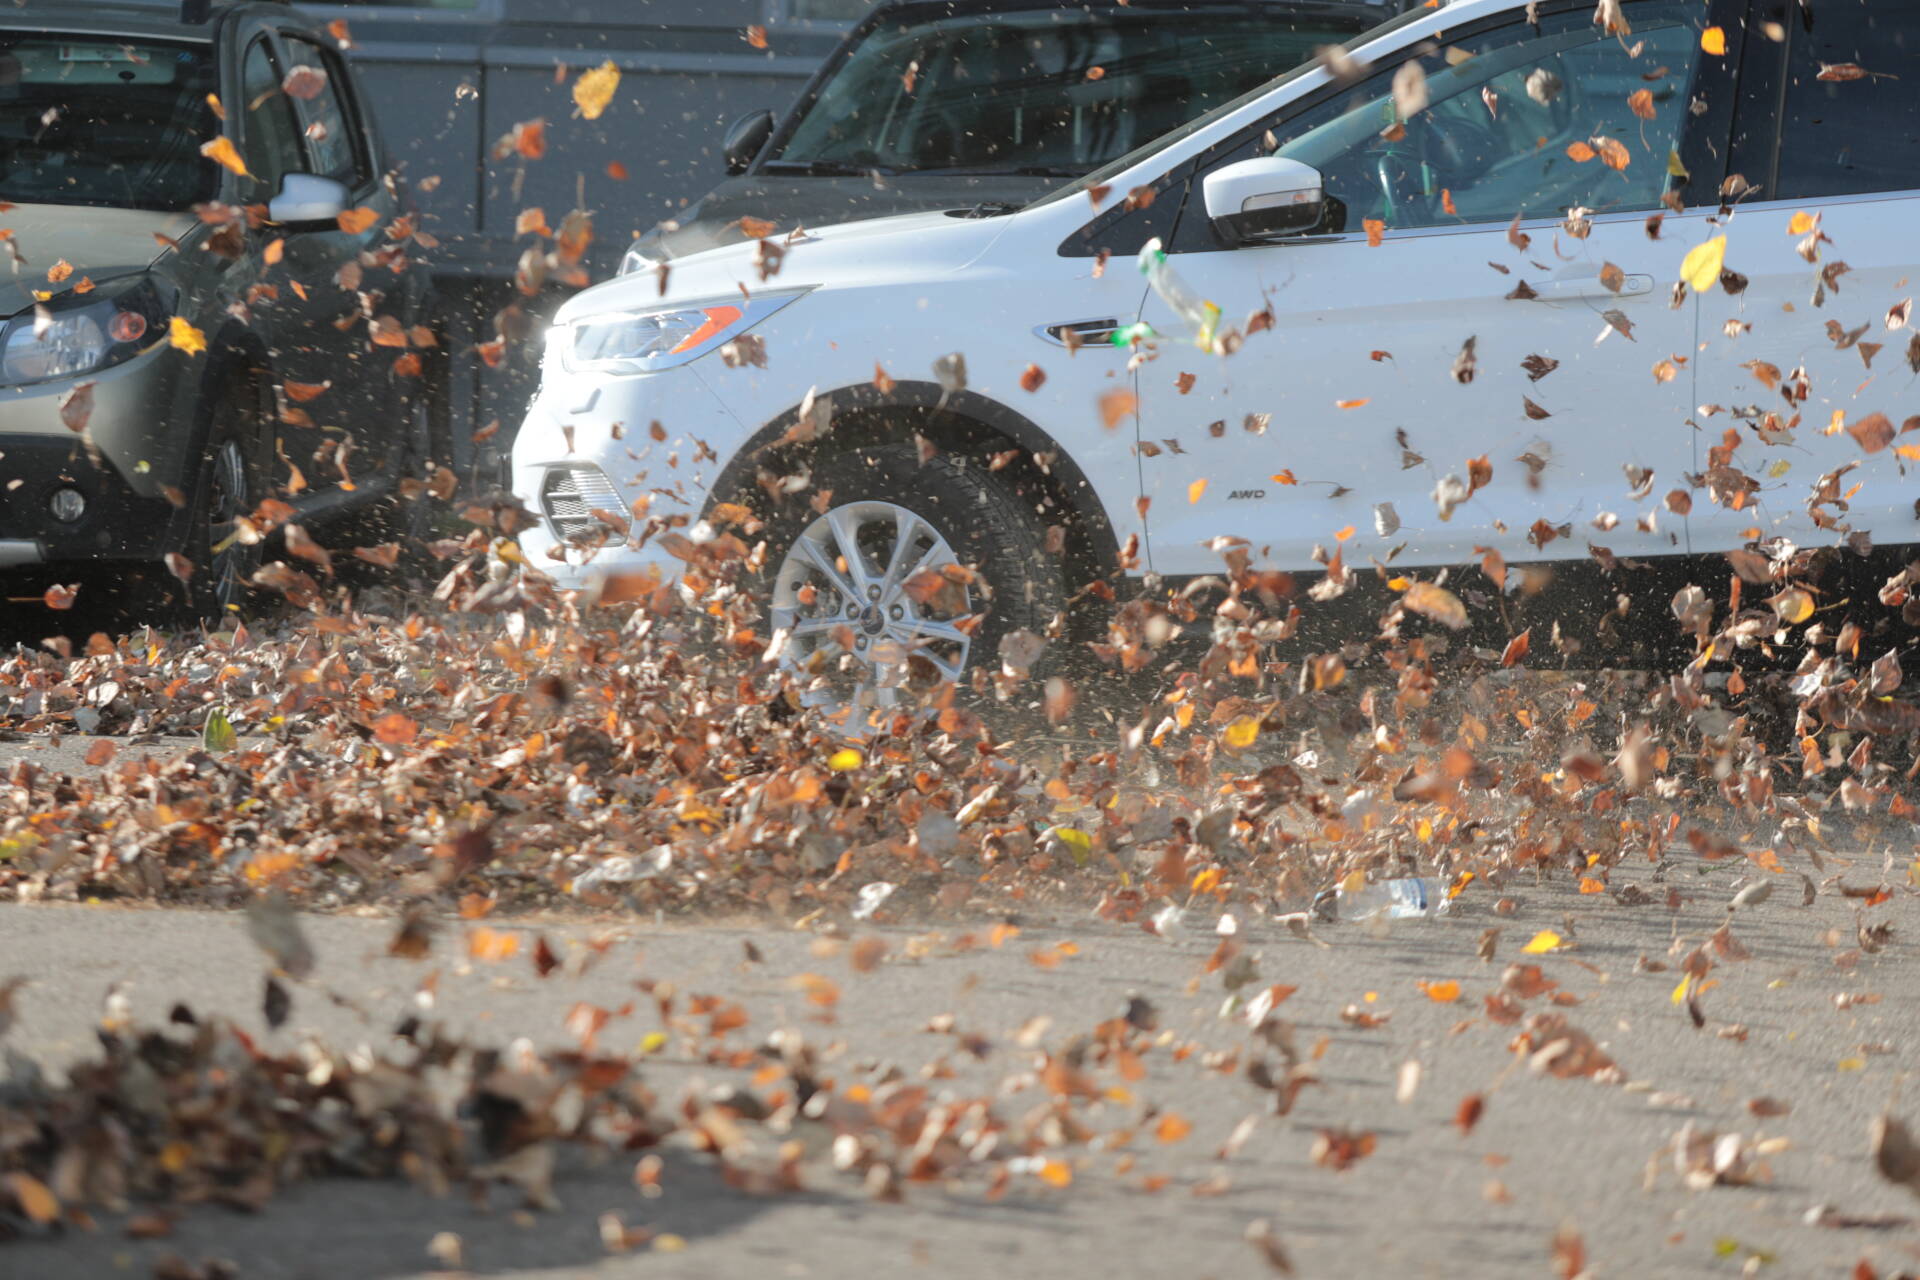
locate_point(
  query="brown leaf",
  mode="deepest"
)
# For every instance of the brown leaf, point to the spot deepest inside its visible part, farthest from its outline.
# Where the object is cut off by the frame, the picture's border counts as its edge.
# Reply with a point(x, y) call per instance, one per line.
point(1872, 433)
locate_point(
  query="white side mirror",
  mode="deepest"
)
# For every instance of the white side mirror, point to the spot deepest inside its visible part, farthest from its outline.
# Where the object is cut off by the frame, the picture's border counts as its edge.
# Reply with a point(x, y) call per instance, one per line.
point(308, 198)
point(1264, 197)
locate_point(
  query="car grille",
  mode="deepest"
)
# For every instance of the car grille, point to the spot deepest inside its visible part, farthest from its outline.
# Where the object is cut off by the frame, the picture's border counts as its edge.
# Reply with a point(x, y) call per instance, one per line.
point(570, 494)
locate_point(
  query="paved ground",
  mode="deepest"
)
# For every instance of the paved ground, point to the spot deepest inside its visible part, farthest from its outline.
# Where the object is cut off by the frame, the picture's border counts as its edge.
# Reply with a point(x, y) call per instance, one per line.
point(1565, 1151)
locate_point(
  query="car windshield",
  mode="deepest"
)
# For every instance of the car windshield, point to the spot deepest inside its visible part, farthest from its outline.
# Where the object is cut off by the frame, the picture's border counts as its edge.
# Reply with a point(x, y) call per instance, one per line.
point(100, 121)
point(1052, 91)
point(1188, 126)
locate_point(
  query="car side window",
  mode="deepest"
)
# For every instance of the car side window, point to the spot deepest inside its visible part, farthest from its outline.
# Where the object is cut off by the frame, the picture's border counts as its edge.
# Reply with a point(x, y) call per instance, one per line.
point(1519, 120)
point(332, 134)
point(1851, 121)
point(269, 136)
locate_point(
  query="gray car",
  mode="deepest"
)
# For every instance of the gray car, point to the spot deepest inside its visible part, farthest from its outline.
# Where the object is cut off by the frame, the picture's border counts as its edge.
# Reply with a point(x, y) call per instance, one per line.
point(950, 104)
point(217, 323)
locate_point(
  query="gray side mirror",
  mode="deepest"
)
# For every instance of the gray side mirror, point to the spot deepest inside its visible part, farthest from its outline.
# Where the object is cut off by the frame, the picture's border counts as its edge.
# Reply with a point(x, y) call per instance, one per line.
point(308, 198)
point(745, 137)
point(1264, 197)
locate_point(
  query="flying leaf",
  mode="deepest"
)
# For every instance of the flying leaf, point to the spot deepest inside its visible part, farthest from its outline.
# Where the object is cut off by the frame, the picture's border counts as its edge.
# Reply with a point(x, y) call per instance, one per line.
point(306, 83)
point(593, 91)
point(218, 734)
point(356, 221)
point(1714, 41)
point(1640, 102)
point(1436, 602)
point(222, 152)
point(184, 336)
point(1544, 941)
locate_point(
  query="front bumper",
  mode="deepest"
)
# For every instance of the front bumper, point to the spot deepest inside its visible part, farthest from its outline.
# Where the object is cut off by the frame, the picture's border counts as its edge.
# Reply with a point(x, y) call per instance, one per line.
point(569, 462)
point(139, 450)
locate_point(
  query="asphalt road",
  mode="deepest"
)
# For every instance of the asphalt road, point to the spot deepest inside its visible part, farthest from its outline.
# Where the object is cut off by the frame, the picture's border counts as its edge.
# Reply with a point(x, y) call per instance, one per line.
point(1561, 1151)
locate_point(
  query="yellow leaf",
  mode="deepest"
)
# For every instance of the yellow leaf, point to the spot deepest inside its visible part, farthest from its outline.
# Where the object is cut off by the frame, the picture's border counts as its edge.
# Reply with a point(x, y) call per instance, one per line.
point(1714, 41)
point(1853, 1064)
point(1674, 168)
point(34, 1199)
point(1195, 489)
point(222, 152)
point(1241, 733)
point(1543, 941)
point(184, 336)
point(1355, 881)
point(1680, 992)
point(1701, 267)
point(1802, 223)
point(593, 91)
point(1911, 452)
point(844, 759)
point(1441, 992)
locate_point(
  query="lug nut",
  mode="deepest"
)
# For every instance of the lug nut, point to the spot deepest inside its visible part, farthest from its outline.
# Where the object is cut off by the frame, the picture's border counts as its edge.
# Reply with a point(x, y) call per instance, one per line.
point(896, 612)
point(859, 642)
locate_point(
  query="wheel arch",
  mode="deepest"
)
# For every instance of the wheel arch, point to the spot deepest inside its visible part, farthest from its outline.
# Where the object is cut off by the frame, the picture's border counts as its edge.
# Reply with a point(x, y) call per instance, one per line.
point(958, 422)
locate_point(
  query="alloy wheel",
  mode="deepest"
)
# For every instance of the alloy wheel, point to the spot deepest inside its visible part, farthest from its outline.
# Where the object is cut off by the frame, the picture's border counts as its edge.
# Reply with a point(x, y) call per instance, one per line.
point(852, 599)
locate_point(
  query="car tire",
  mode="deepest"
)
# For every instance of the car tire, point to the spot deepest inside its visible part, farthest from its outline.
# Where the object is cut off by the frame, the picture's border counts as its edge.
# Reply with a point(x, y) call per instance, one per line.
point(229, 481)
point(951, 512)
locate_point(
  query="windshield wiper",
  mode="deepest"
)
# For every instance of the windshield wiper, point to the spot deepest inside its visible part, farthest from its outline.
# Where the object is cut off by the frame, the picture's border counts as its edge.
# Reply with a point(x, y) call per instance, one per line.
point(824, 168)
point(990, 209)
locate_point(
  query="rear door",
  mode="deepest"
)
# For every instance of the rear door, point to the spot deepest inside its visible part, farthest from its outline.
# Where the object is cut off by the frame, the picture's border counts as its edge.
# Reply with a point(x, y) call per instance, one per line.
point(1808, 372)
point(1438, 379)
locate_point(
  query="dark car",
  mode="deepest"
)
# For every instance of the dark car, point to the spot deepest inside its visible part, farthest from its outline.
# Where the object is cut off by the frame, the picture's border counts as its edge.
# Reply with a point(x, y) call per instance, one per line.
point(217, 324)
point(939, 104)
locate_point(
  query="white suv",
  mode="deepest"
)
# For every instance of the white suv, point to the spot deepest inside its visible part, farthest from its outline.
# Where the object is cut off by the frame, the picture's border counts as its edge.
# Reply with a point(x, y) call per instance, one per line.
point(1416, 304)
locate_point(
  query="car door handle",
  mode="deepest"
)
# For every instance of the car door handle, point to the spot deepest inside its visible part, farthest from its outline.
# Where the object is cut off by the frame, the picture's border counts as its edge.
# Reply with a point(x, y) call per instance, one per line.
point(1085, 332)
point(1590, 287)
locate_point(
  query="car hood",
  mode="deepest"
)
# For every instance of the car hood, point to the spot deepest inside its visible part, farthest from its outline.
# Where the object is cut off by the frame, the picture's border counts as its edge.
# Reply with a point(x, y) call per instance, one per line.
point(919, 246)
point(98, 243)
point(801, 201)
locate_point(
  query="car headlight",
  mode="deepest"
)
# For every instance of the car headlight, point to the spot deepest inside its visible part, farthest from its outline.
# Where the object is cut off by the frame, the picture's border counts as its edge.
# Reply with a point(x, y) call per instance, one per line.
point(645, 341)
point(78, 333)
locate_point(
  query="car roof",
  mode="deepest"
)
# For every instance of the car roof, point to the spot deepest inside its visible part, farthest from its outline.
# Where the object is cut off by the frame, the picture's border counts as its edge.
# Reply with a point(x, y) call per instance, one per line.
point(158, 19)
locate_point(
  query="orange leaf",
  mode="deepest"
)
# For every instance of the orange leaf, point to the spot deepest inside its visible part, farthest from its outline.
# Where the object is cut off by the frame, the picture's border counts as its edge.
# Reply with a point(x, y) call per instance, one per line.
point(1589, 885)
point(616, 171)
point(59, 271)
point(1115, 406)
point(1375, 229)
point(31, 1194)
point(1195, 489)
point(222, 152)
point(355, 221)
point(395, 729)
point(1285, 477)
point(1640, 102)
point(1351, 404)
point(1444, 992)
point(1057, 1173)
point(1714, 41)
point(1342, 535)
point(1172, 1127)
point(1581, 152)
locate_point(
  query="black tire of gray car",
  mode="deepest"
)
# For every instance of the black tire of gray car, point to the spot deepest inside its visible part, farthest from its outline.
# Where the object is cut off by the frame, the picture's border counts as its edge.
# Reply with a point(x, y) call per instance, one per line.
point(229, 482)
point(958, 514)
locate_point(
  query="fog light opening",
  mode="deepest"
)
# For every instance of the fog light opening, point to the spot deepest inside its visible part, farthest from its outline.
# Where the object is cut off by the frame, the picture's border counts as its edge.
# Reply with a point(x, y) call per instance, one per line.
point(67, 505)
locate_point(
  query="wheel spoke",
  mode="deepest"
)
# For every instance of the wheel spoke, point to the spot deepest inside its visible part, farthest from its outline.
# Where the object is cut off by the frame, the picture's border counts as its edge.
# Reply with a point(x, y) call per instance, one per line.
point(818, 556)
point(906, 530)
point(811, 626)
point(846, 531)
point(927, 629)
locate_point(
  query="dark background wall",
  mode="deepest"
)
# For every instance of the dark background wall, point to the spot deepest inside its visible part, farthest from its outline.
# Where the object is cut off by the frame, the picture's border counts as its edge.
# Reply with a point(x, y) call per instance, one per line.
point(450, 77)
